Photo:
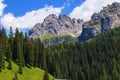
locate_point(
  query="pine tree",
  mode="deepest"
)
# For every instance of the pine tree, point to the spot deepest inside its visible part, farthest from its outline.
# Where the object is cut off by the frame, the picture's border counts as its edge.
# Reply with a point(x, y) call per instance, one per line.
point(22, 53)
point(25, 51)
point(46, 76)
point(1, 58)
point(40, 53)
point(18, 56)
point(2, 48)
point(29, 55)
point(4, 45)
point(36, 49)
point(9, 57)
point(11, 38)
point(17, 47)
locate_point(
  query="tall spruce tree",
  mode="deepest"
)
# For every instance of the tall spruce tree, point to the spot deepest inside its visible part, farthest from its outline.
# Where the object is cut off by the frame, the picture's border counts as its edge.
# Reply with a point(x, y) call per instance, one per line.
point(36, 47)
point(28, 52)
point(1, 56)
point(11, 38)
point(17, 55)
point(9, 57)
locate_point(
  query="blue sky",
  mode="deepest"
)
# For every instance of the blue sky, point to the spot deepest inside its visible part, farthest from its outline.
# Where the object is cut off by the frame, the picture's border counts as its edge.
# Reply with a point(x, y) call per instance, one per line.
point(20, 7)
point(24, 14)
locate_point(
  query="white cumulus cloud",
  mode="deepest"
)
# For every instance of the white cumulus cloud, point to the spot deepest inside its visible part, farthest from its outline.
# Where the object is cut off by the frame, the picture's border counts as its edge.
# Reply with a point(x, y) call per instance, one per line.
point(85, 10)
point(29, 19)
point(2, 7)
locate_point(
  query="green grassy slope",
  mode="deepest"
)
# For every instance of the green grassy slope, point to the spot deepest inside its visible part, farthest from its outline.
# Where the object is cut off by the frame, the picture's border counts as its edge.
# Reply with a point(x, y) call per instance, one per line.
point(50, 36)
point(28, 74)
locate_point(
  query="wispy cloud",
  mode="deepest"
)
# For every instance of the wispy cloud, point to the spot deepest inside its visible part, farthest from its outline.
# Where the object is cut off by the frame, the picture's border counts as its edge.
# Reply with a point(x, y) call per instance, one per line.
point(85, 10)
point(68, 3)
point(2, 7)
point(30, 18)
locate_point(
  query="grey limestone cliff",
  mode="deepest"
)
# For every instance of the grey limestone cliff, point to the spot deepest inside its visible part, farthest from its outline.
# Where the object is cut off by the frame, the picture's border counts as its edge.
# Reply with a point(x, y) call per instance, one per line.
point(106, 19)
point(57, 26)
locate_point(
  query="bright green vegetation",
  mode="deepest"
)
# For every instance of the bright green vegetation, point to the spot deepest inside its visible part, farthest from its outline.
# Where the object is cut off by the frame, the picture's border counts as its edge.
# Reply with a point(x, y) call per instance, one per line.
point(60, 39)
point(50, 36)
point(94, 22)
point(110, 9)
point(50, 39)
point(47, 36)
point(28, 73)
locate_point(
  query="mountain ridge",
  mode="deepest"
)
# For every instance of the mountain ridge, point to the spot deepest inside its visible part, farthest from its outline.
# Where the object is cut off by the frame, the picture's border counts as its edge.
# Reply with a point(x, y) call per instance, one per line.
point(56, 26)
point(106, 19)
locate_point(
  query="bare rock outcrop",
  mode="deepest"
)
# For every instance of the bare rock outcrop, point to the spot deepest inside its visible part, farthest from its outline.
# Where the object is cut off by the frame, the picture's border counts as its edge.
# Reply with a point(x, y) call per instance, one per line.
point(106, 19)
point(57, 26)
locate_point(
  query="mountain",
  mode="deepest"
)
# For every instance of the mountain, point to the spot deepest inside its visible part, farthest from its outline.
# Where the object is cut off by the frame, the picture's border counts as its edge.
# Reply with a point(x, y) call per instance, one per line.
point(106, 19)
point(53, 25)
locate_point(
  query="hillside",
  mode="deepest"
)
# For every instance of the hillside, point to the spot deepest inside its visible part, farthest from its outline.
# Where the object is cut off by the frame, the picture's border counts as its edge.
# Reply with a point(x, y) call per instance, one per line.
point(28, 73)
point(94, 59)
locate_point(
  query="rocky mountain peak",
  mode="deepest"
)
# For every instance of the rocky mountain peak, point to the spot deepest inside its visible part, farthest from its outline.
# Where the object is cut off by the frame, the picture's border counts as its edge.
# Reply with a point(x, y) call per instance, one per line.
point(108, 18)
point(116, 4)
point(51, 16)
point(64, 17)
point(100, 22)
point(57, 25)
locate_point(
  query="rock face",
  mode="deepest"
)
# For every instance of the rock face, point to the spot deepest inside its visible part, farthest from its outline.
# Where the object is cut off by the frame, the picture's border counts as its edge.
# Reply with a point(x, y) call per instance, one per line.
point(106, 19)
point(57, 26)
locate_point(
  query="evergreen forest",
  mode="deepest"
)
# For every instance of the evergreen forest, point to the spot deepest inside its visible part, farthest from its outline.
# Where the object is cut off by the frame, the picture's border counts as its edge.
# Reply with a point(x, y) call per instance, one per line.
point(94, 59)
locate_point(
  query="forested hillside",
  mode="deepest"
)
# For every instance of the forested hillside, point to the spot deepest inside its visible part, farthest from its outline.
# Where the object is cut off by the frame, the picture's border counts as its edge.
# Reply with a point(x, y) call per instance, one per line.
point(28, 54)
point(95, 59)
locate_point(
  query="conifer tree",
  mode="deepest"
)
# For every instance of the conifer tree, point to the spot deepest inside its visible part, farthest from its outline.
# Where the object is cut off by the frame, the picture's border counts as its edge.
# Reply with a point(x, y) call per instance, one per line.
point(18, 56)
point(1, 57)
point(22, 44)
point(30, 54)
point(4, 45)
point(9, 57)
point(17, 47)
point(36, 49)
point(46, 76)
point(11, 38)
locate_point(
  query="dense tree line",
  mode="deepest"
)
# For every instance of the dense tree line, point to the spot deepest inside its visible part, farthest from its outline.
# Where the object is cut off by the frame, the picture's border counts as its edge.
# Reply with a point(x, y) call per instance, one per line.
point(95, 59)
point(18, 47)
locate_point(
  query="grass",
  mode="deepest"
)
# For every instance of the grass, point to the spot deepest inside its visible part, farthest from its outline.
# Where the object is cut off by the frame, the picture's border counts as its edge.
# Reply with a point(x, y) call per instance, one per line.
point(49, 36)
point(28, 74)
point(94, 22)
